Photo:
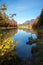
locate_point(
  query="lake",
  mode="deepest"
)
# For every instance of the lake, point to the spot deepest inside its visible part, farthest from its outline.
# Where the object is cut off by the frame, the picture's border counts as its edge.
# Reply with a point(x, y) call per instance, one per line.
point(17, 39)
point(23, 50)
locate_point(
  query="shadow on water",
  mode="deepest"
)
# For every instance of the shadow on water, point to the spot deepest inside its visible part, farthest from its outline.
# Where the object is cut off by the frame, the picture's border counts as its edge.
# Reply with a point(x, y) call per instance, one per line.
point(20, 47)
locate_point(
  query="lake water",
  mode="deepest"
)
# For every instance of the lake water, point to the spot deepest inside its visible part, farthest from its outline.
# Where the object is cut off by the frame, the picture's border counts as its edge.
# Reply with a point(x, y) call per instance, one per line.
point(23, 49)
point(19, 38)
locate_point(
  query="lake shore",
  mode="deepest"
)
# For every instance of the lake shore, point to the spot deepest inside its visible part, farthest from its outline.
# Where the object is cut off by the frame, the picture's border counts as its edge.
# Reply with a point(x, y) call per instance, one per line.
point(2, 28)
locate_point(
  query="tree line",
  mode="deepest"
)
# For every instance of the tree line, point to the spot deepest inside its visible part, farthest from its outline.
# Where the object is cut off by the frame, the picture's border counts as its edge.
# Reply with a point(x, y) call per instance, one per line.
point(5, 20)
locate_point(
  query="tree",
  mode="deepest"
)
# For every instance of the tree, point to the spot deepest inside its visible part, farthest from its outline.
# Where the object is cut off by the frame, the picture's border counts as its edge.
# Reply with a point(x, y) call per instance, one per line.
point(12, 15)
point(3, 7)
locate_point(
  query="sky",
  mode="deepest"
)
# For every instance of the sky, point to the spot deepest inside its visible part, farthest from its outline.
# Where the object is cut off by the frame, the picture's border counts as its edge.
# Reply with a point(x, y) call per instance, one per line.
point(24, 9)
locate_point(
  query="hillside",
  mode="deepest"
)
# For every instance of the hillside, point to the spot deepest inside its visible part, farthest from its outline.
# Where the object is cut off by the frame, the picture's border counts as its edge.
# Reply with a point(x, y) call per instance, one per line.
point(5, 21)
point(29, 21)
point(38, 22)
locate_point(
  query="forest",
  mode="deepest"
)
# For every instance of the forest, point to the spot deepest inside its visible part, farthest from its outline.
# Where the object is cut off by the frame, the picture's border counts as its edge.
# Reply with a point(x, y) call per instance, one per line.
point(5, 20)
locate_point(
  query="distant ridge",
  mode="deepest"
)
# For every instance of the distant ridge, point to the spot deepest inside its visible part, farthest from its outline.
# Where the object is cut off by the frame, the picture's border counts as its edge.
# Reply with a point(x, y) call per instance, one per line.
point(29, 21)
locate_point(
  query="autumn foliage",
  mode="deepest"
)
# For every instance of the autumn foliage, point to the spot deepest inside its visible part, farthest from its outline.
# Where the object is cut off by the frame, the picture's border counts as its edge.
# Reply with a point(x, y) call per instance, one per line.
point(5, 20)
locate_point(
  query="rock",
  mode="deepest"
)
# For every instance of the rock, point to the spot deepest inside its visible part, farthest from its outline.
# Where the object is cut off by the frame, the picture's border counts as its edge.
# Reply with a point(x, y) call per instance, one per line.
point(31, 40)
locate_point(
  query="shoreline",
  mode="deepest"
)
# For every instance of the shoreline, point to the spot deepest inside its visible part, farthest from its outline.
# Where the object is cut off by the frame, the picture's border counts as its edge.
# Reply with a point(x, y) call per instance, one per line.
point(2, 28)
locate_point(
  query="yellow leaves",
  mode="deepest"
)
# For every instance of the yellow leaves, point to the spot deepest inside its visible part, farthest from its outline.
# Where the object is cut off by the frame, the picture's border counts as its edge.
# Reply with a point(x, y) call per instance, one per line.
point(0, 35)
point(8, 40)
point(1, 46)
point(6, 45)
point(3, 50)
point(2, 54)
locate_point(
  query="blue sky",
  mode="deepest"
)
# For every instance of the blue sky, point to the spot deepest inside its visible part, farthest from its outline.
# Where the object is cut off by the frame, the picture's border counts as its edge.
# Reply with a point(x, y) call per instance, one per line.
point(24, 9)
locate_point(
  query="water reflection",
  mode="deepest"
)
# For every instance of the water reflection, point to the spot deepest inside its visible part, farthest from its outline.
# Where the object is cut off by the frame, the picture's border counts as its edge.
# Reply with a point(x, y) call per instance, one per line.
point(10, 50)
point(24, 50)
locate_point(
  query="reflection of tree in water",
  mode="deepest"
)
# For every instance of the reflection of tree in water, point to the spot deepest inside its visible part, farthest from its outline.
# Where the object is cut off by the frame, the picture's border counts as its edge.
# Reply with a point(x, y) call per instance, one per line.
point(7, 33)
point(39, 34)
point(32, 30)
point(7, 45)
point(33, 37)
